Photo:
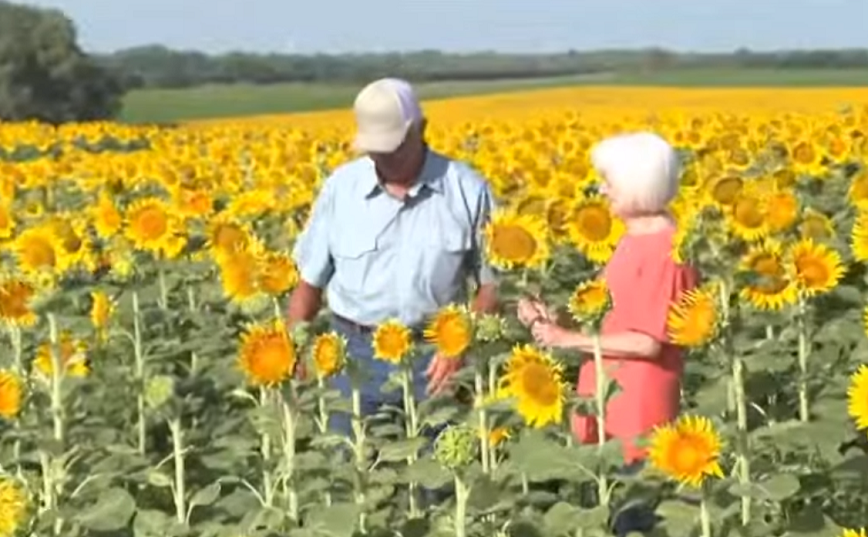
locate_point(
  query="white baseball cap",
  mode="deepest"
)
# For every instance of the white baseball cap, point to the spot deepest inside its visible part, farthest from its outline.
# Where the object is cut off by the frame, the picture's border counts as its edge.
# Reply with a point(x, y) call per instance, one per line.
point(385, 110)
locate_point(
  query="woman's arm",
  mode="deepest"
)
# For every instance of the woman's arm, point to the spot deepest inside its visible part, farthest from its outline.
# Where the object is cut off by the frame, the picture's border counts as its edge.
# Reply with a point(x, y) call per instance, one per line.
point(623, 345)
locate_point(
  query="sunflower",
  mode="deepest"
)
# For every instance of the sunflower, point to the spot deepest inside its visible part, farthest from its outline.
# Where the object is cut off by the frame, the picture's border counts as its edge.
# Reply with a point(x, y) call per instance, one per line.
point(392, 341)
point(593, 229)
point(107, 220)
point(535, 380)
point(278, 274)
point(817, 267)
point(498, 435)
point(857, 192)
point(859, 237)
point(772, 289)
point(239, 276)
point(782, 211)
point(7, 221)
point(724, 190)
point(15, 298)
point(862, 532)
point(857, 395)
point(516, 240)
point(11, 394)
point(693, 320)
point(590, 301)
point(807, 158)
point(267, 354)
point(451, 331)
point(38, 250)
point(101, 309)
point(72, 357)
point(226, 237)
point(816, 225)
point(687, 450)
point(328, 353)
point(149, 224)
point(14, 506)
point(747, 220)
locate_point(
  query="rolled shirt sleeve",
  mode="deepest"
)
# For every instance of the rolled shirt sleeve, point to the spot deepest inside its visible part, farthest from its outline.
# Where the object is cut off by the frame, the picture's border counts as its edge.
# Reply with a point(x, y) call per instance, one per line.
point(311, 253)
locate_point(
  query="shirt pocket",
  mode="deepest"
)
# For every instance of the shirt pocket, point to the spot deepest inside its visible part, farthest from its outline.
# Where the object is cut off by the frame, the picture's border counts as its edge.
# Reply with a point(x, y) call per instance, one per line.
point(353, 256)
point(448, 255)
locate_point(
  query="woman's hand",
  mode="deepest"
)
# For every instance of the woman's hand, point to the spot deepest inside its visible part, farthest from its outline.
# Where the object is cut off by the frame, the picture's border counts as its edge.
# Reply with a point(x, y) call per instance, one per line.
point(548, 334)
point(530, 310)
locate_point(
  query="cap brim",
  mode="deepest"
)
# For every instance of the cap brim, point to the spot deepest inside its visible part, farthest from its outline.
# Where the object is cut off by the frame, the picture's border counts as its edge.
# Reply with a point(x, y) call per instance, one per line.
point(379, 141)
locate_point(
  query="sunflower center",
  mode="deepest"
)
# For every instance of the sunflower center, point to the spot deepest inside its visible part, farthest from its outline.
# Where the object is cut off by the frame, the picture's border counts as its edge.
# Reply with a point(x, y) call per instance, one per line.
point(687, 456)
point(39, 253)
point(771, 274)
point(539, 385)
point(230, 238)
point(803, 153)
point(151, 224)
point(748, 213)
point(514, 243)
point(812, 271)
point(725, 190)
point(594, 223)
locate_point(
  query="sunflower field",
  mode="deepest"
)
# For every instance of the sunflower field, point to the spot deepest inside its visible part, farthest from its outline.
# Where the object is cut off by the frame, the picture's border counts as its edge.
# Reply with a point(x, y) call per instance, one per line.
point(147, 381)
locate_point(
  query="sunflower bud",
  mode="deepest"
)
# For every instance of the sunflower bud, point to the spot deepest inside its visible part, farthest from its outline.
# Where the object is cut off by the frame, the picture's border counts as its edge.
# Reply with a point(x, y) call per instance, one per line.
point(456, 447)
point(490, 328)
point(301, 334)
point(158, 390)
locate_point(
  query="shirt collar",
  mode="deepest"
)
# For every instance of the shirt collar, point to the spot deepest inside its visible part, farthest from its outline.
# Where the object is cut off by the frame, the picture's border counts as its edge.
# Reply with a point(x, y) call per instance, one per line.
point(429, 177)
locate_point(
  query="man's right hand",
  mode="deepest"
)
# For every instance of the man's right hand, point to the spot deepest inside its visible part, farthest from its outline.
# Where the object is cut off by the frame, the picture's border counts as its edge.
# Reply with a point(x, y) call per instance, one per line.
point(530, 310)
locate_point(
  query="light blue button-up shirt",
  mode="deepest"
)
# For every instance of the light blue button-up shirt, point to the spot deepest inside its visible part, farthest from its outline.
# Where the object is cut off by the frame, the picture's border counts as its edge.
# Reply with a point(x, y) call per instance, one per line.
point(379, 257)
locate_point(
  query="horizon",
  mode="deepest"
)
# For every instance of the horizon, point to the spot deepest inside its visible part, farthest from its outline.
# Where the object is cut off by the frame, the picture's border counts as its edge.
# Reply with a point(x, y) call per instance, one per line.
point(384, 26)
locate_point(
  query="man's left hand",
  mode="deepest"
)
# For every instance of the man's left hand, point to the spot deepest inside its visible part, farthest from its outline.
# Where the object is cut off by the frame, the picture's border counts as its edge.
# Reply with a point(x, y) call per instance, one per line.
point(440, 371)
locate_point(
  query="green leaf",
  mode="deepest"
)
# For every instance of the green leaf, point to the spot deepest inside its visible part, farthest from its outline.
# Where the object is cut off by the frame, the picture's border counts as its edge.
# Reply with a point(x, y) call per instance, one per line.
point(566, 519)
point(111, 512)
point(159, 479)
point(428, 473)
point(400, 450)
point(206, 496)
point(338, 520)
point(777, 488)
point(152, 523)
point(679, 518)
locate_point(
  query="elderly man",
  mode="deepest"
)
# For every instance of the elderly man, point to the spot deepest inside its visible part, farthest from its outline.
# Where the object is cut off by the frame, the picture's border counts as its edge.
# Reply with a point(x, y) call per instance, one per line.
point(396, 233)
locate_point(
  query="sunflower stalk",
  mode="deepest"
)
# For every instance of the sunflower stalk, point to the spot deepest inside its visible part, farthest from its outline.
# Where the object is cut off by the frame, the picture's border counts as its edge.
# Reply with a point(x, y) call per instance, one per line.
point(265, 448)
point(288, 477)
point(492, 389)
point(163, 300)
point(51, 481)
point(600, 395)
point(804, 351)
point(359, 452)
point(179, 490)
point(462, 496)
point(704, 514)
point(484, 438)
point(412, 427)
point(740, 400)
point(138, 351)
point(323, 423)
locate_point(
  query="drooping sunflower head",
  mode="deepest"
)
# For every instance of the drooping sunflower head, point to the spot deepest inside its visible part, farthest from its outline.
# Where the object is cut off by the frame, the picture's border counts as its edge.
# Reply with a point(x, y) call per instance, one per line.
point(594, 229)
point(392, 341)
point(278, 274)
point(16, 296)
point(267, 354)
point(782, 211)
point(590, 301)
point(816, 267)
point(516, 241)
point(687, 450)
point(857, 395)
point(693, 320)
point(225, 236)
point(328, 354)
point(71, 353)
point(451, 331)
point(816, 225)
point(769, 287)
point(723, 190)
point(15, 506)
point(536, 382)
point(11, 394)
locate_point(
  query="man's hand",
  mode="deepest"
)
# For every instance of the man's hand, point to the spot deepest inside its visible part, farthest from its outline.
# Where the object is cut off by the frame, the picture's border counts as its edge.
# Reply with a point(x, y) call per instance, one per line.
point(440, 371)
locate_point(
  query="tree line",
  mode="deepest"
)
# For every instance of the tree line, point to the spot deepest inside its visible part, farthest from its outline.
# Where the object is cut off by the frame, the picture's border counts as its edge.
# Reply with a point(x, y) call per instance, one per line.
point(45, 75)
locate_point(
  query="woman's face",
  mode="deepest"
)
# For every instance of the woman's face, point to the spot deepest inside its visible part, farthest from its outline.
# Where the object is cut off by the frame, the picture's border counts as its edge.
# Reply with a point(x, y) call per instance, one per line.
point(616, 198)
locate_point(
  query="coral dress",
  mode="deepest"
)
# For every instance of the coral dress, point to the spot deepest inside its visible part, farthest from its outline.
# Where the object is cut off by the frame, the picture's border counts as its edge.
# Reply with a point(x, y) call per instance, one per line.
point(643, 280)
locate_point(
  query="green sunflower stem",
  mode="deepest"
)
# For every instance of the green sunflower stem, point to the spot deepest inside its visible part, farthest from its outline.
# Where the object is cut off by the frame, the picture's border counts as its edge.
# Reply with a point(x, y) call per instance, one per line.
point(704, 514)
point(265, 448)
point(18, 368)
point(412, 427)
point(289, 425)
point(323, 423)
point(492, 389)
point(600, 395)
point(361, 462)
point(163, 300)
point(739, 400)
point(180, 488)
point(804, 351)
point(139, 354)
point(462, 495)
point(57, 372)
point(484, 438)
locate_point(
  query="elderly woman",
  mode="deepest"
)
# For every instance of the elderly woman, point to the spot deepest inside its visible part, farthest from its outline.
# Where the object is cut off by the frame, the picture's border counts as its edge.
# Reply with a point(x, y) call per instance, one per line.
point(640, 178)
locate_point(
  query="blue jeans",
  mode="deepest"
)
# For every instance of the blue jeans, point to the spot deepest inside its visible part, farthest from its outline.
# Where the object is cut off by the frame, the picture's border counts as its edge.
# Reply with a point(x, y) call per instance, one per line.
point(376, 373)
point(636, 516)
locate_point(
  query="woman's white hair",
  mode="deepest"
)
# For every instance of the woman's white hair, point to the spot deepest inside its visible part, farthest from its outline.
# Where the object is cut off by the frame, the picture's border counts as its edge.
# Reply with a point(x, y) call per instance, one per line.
point(642, 167)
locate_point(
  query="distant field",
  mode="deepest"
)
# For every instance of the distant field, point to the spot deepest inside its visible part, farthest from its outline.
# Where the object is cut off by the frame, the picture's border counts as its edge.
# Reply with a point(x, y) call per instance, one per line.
point(249, 100)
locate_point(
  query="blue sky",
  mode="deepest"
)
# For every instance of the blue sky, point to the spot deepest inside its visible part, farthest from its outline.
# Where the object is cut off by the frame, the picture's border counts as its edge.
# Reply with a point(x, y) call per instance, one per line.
point(466, 25)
